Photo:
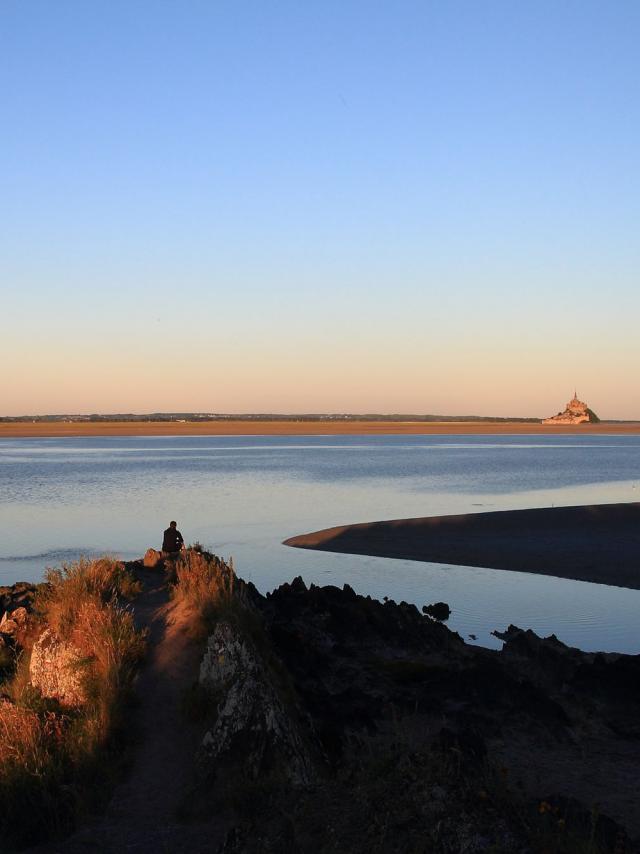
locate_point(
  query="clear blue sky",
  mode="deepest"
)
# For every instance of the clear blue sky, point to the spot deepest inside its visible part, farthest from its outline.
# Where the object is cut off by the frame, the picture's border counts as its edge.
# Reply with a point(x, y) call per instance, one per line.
point(278, 206)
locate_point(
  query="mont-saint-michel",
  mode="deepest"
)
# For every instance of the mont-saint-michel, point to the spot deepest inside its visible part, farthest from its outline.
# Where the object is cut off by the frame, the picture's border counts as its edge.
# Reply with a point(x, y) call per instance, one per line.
point(575, 412)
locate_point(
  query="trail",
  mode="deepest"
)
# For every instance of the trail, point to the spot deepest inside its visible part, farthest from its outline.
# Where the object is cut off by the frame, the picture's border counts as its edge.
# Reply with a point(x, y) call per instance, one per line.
point(141, 816)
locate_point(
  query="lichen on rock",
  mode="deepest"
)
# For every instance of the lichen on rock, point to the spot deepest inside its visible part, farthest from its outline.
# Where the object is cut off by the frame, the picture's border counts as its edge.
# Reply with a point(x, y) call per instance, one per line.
point(252, 719)
point(56, 670)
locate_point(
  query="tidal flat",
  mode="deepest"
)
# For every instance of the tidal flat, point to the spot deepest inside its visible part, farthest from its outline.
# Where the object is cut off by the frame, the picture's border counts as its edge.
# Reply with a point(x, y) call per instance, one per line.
point(598, 543)
point(329, 427)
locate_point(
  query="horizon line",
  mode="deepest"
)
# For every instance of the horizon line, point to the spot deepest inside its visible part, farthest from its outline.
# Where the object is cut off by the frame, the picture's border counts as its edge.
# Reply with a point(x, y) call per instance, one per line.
point(241, 416)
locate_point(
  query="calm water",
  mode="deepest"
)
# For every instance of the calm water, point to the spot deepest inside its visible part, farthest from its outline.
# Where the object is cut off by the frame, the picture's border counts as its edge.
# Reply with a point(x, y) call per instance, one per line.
point(241, 496)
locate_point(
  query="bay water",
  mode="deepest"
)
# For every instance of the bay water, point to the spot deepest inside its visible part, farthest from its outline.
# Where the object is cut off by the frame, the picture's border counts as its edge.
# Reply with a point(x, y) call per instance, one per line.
point(241, 496)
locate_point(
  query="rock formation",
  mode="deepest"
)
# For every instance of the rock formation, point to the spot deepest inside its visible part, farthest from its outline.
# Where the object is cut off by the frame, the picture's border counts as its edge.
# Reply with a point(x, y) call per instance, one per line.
point(16, 623)
point(56, 670)
point(353, 685)
point(252, 718)
point(11, 623)
point(152, 558)
point(18, 595)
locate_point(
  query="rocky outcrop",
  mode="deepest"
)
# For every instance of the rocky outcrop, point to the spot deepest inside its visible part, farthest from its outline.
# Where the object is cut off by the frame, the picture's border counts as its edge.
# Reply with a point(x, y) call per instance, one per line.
point(17, 625)
point(252, 719)
point(11, 623)
point(152, 559)
point(438, 610)
point(325, 687)
point(18, 595)
point(56, 670)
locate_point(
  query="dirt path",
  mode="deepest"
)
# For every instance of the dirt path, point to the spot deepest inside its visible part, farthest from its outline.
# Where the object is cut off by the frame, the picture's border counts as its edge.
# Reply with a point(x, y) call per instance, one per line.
point(141, 817)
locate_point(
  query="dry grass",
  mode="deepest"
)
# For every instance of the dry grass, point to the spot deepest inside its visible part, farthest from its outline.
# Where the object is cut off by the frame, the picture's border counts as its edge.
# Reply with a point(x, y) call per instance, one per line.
point(56, 763)
point(208, 587)
point(104, 579)
point(22, 737)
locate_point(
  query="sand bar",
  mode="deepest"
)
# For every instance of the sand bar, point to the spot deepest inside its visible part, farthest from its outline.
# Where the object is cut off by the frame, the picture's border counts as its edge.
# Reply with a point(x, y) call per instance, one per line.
point(41, 430)
point(598, 543)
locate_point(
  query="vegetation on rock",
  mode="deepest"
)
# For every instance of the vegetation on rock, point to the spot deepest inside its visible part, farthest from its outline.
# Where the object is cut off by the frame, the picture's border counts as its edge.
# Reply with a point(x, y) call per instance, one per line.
point(58, 759)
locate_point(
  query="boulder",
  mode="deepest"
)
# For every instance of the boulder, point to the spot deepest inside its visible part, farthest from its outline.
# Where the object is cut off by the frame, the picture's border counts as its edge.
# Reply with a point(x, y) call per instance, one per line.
point(19, 615)
point(152, 558)
point(56, 670)
point(252, 720)
point(8, 626)
point(439, 611)
point(16, 626)
point(19, 594)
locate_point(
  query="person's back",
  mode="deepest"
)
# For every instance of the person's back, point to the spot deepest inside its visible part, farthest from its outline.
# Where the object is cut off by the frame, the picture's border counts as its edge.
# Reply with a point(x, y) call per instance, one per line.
point(172, 541)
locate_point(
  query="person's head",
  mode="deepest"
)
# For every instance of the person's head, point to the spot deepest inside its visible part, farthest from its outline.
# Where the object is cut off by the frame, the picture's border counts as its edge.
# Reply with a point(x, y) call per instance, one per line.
point(173, 524)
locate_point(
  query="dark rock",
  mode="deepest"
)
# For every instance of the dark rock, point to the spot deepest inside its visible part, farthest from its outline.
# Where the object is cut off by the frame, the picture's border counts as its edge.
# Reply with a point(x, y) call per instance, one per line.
point(252, 720)
point(439, 611)
point(364, 681)
point(604, 833)
point(19, 595)
point(17, 622)
point(468, 744)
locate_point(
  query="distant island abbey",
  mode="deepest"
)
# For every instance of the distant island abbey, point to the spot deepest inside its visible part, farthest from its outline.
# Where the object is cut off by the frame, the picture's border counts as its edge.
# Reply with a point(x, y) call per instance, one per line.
point(576, 412)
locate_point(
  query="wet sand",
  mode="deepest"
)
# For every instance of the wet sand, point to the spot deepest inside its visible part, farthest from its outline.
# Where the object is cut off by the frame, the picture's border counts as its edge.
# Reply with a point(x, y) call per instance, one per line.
point(25, 430)
point(598, 543)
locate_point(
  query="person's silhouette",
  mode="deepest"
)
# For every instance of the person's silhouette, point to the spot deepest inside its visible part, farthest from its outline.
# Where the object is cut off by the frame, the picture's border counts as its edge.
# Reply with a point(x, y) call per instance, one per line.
point(172, 541)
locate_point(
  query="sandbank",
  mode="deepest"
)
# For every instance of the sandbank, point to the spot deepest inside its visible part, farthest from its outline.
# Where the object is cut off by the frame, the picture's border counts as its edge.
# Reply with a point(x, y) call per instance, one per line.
point(598, 543)
point(41, 430)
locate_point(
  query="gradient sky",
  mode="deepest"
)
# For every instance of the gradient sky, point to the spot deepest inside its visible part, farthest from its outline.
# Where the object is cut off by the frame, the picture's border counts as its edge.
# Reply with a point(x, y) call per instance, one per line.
point(337, 206)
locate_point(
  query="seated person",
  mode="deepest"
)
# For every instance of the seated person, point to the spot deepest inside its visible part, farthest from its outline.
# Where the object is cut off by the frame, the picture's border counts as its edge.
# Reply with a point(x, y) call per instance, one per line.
point(173, 541)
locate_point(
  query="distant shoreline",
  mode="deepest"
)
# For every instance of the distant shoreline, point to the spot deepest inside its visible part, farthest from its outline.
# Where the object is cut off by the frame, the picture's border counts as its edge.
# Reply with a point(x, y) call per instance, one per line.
point(37, 430)
point(598, 543)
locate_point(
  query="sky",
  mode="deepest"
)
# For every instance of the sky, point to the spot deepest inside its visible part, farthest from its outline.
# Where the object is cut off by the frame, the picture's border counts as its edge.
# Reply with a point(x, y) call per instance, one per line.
point(421, 207)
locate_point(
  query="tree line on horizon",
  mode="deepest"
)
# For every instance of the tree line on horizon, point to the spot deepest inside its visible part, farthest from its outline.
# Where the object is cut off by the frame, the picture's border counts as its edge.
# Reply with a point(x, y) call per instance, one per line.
point(196, 416)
